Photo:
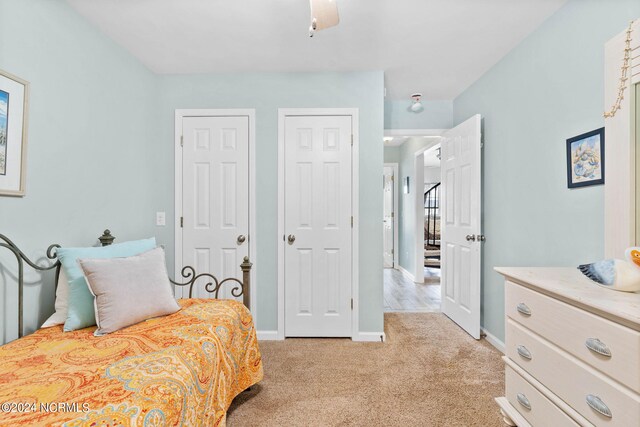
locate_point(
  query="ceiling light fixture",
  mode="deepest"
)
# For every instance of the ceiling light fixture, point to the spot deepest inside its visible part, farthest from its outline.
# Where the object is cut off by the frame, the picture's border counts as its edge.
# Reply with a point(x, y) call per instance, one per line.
point(324, 14)
point(416, 107)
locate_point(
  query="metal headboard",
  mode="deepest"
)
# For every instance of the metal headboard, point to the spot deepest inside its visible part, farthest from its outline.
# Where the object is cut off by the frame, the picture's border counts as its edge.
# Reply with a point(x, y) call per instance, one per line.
point(5, 242)
point(212, 286)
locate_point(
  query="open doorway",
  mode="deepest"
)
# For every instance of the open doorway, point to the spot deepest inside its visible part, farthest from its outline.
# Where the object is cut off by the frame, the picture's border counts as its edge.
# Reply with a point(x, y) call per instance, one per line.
point(409, 286)
point(438, 223)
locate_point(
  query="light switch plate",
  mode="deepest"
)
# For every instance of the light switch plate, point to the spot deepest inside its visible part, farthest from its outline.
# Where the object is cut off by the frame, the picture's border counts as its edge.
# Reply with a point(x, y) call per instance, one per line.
point(161, 218)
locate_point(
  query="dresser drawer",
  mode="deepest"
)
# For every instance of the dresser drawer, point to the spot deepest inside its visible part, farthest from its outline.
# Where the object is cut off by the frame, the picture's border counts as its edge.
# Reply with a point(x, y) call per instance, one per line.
point(572, 380)
point(531, 404)
point(607, 346)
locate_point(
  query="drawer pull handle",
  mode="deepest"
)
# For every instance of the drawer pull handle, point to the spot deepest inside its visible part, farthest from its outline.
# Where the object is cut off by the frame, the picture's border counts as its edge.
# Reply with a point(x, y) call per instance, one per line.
point(522, 399)
point(524, 352)
point(597, 346)
point(598, 405)
point(523, 309)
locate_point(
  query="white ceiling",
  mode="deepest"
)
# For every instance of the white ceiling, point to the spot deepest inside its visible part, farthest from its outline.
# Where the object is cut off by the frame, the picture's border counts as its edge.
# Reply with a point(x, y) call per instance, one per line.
point(437, 47)
point(396, 141)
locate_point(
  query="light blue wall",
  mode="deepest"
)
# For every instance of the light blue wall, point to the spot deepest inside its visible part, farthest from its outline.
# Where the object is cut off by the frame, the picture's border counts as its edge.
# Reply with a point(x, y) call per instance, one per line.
point(546, 90)
point(391, 154)
point(266, 93)
point(436, 115)
point(101, 149)
point(90, 149)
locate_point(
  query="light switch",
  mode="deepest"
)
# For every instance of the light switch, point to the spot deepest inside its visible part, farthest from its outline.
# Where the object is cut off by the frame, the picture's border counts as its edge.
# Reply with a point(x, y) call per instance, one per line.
point(161, 218)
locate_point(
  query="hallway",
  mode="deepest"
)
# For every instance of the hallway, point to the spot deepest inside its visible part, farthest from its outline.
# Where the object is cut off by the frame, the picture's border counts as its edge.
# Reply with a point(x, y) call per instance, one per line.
point(403, 295)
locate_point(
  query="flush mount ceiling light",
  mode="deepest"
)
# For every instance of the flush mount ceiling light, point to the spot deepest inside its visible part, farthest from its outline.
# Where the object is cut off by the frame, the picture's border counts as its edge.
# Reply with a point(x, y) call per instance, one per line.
point(324, 14)
point(416, 107)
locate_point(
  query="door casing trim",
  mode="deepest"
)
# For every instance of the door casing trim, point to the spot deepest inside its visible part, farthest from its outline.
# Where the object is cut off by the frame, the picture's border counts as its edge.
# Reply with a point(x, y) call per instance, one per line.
point(396, 215)
point(251, 114)
point(283, 113)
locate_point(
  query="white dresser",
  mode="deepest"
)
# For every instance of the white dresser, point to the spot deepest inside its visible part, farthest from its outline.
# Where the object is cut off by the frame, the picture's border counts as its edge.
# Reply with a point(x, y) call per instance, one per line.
point(572, 351)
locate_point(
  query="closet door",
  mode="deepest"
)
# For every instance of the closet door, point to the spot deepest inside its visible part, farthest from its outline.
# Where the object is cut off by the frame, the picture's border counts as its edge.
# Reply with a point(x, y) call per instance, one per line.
point(215, 202)
point(317, 223)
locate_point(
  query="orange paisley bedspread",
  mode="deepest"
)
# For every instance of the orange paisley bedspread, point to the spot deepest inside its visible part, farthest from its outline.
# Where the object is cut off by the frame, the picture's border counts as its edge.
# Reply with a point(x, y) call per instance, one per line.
point(182, 369)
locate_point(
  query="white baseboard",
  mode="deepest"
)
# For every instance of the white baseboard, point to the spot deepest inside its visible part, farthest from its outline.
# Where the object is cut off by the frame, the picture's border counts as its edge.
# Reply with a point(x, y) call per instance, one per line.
point(406, 273)
point(491, 339)
point(370, 337)
point(267, 335)
point(361, 336)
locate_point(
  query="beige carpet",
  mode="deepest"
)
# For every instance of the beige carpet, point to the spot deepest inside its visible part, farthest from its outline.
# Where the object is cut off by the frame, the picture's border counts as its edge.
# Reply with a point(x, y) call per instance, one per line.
point(428, 373)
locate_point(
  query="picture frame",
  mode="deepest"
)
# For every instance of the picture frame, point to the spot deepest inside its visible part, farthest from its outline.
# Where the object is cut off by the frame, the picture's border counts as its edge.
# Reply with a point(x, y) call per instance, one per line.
point(585, 159)
point(14, 120)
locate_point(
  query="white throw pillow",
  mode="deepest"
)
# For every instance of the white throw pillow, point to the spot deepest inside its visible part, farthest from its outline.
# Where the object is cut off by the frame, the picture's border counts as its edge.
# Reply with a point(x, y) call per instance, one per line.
point(129, 290)
point(61, 304)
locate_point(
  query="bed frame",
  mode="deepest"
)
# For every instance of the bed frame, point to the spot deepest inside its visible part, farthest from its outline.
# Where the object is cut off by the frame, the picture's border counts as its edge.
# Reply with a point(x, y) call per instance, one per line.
point(212, 286)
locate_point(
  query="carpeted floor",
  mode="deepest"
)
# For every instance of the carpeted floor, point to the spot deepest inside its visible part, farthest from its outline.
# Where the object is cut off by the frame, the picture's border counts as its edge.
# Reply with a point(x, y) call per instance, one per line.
point(428, 373)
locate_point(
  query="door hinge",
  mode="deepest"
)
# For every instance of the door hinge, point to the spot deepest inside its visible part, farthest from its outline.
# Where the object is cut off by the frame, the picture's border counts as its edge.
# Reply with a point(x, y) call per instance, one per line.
point(352, 140)
point(181, 140)
point(391, 251)
point(393, 178)
point(351, 222)
point(181, 221)
point(351, 303)
point(393, 214)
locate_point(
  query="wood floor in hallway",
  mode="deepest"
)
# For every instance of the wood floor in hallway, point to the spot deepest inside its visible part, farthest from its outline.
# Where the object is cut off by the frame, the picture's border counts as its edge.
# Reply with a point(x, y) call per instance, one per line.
point(403, 295)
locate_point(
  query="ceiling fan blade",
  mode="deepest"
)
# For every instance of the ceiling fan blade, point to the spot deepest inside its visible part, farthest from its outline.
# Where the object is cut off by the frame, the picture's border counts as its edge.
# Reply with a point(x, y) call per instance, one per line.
point(324, 14)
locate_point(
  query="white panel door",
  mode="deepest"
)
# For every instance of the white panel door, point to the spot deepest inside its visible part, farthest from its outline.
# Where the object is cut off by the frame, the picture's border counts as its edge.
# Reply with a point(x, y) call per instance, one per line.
point(215, 167)
point(461, 224)
point(387, 225)
point(317, 220)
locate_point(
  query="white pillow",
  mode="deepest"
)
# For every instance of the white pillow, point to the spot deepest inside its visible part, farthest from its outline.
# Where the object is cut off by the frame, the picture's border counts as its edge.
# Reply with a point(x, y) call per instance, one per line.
point(61, 304)
point(129, 290)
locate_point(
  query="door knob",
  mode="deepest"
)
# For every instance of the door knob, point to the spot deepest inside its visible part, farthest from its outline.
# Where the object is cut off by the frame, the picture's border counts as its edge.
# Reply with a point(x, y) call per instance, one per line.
point(291, 239)
point(241, 239)
point(471, 238)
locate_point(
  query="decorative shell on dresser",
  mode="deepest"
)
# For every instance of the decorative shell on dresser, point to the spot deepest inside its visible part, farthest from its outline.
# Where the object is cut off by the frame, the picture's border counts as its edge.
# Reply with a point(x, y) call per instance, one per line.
point(616, 274)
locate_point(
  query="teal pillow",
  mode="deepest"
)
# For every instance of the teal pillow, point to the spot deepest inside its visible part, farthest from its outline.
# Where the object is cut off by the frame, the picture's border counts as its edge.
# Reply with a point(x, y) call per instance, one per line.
point(81, 312)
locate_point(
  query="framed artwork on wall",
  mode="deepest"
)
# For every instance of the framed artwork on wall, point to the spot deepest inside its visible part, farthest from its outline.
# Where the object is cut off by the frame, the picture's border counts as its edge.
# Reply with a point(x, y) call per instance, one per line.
point(14, 105)
point(585, 159)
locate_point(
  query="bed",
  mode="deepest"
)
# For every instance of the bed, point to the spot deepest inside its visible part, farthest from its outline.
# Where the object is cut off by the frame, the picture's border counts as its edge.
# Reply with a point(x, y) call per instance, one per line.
point(180, 369)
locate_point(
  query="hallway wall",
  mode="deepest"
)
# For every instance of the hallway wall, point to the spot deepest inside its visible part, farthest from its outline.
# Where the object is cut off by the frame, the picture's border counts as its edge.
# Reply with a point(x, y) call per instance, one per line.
point(548, 89)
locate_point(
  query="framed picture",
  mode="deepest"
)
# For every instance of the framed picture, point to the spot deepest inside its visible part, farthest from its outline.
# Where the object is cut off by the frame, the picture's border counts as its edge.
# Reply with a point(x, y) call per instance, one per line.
point(585, 159)
point(14, 104)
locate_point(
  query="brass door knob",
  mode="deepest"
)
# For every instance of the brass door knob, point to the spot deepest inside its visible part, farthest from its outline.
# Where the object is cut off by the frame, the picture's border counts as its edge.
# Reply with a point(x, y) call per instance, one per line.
point(241, 239)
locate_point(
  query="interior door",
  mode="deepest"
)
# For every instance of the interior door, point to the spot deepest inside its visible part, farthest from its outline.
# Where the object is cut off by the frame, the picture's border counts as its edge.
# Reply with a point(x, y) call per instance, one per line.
point(388, 231)
point(461, 224)
point(317, 220)
point(215, 167)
